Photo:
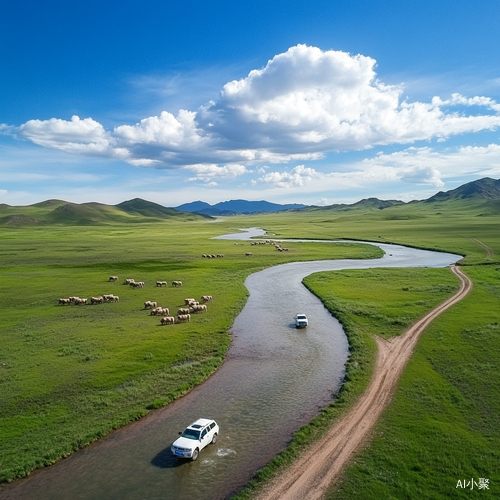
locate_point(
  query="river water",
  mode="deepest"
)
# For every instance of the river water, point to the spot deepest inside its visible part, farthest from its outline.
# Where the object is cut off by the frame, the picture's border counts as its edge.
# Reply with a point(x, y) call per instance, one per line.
point(275, 379)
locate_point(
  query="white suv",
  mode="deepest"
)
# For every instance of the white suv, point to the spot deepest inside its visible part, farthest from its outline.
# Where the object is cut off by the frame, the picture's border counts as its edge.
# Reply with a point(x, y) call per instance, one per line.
point(300, 320)
point(196, 436)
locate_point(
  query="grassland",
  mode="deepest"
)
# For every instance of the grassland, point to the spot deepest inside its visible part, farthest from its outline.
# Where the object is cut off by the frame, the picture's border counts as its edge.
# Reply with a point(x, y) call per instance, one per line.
point(443, 424)
point(70, 374)
point(457, 227)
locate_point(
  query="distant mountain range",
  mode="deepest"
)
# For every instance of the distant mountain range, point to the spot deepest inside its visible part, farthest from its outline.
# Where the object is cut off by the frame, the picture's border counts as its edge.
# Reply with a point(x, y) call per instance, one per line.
point(481, 189)
point(234, 207)
point(483, 193)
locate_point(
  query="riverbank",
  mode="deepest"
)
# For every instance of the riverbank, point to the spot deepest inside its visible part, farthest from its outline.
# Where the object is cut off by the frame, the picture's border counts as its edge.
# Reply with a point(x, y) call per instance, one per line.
point(434, 385)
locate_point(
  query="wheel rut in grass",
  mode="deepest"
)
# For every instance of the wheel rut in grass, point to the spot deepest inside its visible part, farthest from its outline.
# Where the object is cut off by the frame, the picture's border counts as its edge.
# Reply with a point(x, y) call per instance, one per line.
point(489, 251)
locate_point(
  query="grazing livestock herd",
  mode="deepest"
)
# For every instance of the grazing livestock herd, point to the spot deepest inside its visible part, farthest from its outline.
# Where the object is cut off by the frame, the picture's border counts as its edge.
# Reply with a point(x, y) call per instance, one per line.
point(270, 242)
point(183, 314)
point(276, 245)
point(77, 301)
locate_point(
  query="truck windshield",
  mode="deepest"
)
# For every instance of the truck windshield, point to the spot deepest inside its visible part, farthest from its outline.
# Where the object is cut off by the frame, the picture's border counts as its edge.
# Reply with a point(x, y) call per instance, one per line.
point(191, 434)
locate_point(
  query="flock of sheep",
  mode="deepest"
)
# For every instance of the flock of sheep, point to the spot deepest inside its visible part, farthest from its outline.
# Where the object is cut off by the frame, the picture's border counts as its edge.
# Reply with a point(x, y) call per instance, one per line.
point(270, 242)
point(77, 301)
point(183, 314)
point(278, 247)
point(140, 284)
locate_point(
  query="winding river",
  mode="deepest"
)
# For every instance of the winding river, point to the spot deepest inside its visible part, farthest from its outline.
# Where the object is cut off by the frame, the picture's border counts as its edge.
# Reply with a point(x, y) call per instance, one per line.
point(275, 380)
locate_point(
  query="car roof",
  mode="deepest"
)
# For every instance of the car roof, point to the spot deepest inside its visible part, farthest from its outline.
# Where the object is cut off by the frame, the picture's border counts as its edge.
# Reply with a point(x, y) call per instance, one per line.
point(201, 422)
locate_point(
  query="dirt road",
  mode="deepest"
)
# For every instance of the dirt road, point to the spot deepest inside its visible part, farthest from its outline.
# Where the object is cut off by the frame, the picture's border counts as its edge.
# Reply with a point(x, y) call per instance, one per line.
point(311, 475)
point(489, 251)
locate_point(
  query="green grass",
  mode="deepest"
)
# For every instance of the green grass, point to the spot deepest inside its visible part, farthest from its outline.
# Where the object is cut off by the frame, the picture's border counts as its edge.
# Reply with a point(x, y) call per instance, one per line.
point(444, 423)
point(71, 374)
point(382, 301)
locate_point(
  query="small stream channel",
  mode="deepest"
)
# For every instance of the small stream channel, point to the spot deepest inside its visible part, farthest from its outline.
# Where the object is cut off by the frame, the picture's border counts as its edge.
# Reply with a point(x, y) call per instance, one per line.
point(275, 380)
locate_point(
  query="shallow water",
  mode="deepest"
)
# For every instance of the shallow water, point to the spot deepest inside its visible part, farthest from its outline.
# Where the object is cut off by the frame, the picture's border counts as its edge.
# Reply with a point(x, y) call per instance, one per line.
point(276, 378)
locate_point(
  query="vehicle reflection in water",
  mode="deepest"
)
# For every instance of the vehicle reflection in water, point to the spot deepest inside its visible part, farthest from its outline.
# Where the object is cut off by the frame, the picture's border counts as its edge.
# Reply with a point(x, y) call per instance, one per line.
point(275, 379)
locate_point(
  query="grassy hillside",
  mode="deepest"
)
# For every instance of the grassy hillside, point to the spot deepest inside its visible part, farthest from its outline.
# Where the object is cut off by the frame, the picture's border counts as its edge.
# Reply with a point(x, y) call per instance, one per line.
point(59, 212)
point(148, 209)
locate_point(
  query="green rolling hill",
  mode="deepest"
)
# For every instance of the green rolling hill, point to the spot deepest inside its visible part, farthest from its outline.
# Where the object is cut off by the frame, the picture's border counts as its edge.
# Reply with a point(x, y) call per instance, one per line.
point(479, 198)
point(61, 212)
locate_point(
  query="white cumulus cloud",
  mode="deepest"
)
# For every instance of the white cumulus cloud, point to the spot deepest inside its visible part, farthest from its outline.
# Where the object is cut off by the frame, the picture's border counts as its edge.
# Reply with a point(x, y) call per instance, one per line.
point(301, 105)
point(209, 172)
point(423, 166)
point(421, 175)
point(427, 166)
point(298, 176)
point(75, 136)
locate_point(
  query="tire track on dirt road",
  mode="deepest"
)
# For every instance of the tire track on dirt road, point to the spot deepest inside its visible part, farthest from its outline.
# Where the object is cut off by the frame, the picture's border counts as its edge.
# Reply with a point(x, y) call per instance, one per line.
point(311, 475)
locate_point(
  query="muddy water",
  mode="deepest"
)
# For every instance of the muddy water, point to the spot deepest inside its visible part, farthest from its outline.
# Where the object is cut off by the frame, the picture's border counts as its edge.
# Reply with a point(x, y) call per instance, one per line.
point(275, 379)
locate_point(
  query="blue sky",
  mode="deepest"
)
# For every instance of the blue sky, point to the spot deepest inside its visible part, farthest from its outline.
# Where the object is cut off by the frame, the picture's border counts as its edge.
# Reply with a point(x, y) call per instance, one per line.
point(314, 102)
